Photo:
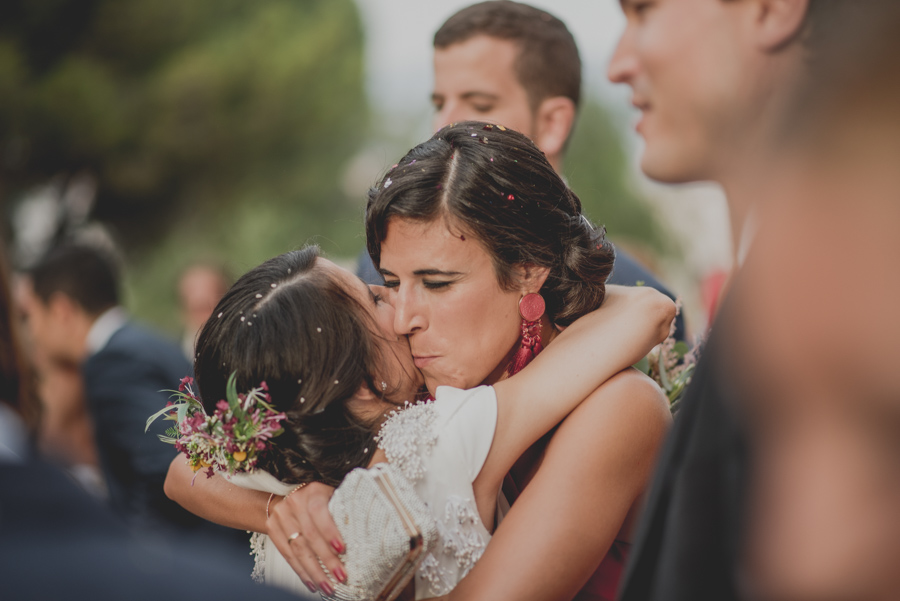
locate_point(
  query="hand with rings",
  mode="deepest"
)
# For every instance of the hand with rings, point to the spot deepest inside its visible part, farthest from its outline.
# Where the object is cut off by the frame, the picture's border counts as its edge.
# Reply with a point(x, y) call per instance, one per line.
point(303, 532)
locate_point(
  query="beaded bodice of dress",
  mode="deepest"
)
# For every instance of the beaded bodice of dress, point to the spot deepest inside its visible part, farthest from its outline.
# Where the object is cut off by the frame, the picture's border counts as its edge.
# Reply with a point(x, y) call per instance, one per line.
point(440, 447)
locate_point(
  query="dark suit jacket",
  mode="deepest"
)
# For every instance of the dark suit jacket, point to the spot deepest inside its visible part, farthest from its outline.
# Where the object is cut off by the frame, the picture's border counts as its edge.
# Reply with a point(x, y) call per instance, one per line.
point(689, 537)
point(125, 383)
point(56, 542)
point(626, 272)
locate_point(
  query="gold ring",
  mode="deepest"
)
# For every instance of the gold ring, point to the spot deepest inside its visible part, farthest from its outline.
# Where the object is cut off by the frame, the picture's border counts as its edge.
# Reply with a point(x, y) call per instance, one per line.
point(293, 537)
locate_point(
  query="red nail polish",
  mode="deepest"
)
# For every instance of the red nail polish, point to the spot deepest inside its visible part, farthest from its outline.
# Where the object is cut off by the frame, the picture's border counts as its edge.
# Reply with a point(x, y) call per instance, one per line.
point(337, 546)
point(340, 575)
point(310, 586)
point(326, 588)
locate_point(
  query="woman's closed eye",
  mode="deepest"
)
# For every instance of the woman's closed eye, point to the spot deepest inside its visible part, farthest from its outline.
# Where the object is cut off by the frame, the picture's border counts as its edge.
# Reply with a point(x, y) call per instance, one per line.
point(375, 294)
point(436, 285)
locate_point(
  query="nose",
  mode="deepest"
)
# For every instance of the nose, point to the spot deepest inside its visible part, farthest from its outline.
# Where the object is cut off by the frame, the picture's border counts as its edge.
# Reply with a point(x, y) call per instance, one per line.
point(623, 64)
point(409, 312)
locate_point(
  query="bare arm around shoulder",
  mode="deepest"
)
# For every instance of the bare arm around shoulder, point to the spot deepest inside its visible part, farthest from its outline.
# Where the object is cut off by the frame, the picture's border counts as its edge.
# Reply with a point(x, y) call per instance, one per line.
point(590, 481)
point(588, 353)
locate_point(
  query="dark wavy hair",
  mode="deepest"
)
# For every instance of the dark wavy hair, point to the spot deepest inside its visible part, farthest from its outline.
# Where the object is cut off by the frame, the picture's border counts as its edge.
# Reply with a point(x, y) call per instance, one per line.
point(496, 186)
point(294, 327)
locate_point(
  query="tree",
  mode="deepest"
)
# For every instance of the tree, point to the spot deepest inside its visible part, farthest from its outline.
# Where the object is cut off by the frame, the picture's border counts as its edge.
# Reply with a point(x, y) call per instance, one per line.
point(212, 127)
point(597, 170)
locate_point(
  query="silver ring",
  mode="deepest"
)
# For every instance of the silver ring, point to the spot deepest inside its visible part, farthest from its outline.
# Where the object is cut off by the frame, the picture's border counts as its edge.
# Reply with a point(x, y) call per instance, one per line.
point(293, 537)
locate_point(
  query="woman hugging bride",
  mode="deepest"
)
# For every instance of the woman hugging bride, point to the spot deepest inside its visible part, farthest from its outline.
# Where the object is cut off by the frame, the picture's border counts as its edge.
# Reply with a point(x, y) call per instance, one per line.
point(487, 258)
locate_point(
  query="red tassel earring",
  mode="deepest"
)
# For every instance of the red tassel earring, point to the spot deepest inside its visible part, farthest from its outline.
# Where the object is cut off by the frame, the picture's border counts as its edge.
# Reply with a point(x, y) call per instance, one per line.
point(531, 308)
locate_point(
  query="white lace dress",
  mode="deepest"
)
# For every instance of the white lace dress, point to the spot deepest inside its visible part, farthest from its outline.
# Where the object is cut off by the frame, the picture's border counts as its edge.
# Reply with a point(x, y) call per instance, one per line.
point(440, 446)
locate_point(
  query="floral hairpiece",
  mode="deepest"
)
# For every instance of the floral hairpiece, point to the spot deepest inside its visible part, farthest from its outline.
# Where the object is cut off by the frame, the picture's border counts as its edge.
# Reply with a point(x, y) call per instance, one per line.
point(233, 438)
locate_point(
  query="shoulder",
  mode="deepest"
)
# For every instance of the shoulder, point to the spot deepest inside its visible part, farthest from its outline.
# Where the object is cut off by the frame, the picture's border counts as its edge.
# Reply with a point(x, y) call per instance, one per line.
point(134, 343)
point(635, 394)
point(138, 336)
point(629, 406)
point(458, 426)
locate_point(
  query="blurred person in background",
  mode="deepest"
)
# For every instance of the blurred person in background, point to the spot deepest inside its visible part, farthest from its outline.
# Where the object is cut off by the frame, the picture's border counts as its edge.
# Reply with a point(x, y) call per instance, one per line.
point(200, 287)
point(56, 542)
point(518, 66)
point(19, 406)
point(72, 306)
point(66, 433)
point(820, 326)
point(711, 79)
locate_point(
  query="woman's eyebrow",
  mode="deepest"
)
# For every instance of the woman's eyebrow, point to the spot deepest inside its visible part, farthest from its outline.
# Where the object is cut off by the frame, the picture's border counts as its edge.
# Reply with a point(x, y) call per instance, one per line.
point(436, 272)
point(385, 272)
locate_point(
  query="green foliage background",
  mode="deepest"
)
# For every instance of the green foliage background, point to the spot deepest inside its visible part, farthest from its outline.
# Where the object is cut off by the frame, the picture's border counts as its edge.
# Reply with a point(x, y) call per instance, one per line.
point(215, 128)
point(221, 129)
point(597, 169)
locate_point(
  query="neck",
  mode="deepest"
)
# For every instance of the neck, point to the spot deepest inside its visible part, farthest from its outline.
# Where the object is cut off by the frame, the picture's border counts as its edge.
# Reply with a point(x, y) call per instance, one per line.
point(556, 162)
point(548, 333)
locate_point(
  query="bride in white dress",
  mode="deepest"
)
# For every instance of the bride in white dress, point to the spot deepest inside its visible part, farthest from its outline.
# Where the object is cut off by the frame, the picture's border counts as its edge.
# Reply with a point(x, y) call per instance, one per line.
point(324, 343)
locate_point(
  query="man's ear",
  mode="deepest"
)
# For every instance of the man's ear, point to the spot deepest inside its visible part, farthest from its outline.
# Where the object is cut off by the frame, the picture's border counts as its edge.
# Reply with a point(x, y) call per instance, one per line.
point(531, 277)
point(553, 123)
point(779, 22)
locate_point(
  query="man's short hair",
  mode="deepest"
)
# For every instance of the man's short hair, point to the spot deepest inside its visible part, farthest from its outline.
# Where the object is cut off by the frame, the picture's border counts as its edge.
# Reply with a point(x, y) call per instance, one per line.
point(548, 64)
point(87, 275)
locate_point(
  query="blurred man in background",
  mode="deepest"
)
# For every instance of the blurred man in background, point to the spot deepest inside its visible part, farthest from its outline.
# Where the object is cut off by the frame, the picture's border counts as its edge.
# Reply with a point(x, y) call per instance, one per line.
point(71, 303)
point(200, 287)
point(72, 306)
point(518, 66)
point(712, 79)
point(56, 542)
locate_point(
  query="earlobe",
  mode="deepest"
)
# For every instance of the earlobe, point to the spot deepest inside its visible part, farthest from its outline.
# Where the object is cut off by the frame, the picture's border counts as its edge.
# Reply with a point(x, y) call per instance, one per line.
point(553, 123)
point(780, 22)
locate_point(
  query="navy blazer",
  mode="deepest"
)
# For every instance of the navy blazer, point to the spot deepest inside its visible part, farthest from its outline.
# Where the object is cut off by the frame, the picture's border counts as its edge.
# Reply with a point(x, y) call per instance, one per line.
point(125, 383)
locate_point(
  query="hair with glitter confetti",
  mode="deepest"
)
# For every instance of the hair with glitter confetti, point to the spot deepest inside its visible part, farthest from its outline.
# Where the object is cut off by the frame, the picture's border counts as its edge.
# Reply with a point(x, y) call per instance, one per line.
point(289, 324)
point(496, 186)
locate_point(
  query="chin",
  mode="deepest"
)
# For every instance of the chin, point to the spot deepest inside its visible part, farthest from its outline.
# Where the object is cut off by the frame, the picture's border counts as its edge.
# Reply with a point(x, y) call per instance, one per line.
point(669, 167)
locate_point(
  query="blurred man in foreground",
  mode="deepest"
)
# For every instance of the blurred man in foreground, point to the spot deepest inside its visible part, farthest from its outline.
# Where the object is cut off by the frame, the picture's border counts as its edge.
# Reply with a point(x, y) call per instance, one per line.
point(711, 79)
point(820, 326)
